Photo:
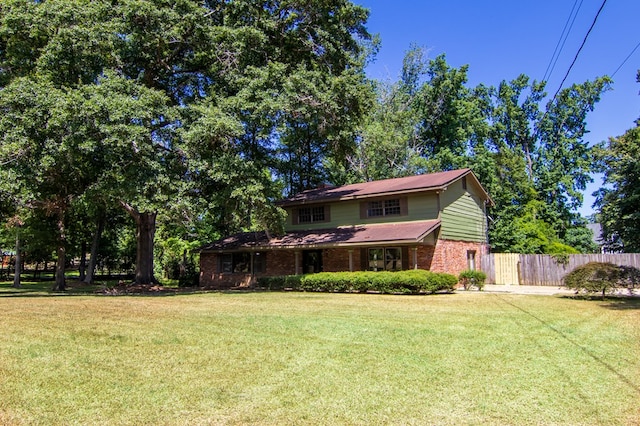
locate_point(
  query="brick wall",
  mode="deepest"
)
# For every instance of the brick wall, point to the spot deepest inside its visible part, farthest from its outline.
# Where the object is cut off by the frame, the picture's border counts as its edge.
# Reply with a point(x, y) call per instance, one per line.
point(451, 256)
point(337, 259)
point(210, 277)
point(425, 257)
point(278, 263)
point(281, 262)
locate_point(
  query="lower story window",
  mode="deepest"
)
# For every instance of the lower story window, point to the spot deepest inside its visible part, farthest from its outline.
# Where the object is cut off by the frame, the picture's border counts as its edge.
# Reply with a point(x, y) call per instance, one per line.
point(242, 262)
point(385, 259)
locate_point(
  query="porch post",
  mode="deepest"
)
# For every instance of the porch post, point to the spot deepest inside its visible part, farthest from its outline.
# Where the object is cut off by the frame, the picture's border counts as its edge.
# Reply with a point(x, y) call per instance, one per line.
point(350, 260)
point(415, 257)
point(297, 263)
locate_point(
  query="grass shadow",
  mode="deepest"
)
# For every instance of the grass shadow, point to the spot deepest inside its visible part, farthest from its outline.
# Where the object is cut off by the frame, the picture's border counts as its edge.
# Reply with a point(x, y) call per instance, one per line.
point(616, 302)
point(98, 289)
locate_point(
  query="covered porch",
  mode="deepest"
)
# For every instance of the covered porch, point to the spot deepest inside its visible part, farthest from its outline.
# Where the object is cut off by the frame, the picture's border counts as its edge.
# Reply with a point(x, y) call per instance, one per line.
point(236, 261)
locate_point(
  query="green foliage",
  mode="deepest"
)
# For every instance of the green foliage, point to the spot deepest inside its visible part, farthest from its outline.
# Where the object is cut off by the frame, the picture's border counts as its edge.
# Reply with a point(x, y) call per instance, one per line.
point(425, 122)
point(177, 260)
point(543, 164)
point(196, 109)
point(404, 282)
point(619, 199)
point(602, 277)
point(279, 282)
point(629, 277)
point(472, 278)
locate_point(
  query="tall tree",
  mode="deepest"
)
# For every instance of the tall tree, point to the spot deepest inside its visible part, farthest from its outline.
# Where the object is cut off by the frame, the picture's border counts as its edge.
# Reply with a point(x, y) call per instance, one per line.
point(59, 142)
point(543, 162)
point(427, 121)
point(144, 77)
point(619, 199)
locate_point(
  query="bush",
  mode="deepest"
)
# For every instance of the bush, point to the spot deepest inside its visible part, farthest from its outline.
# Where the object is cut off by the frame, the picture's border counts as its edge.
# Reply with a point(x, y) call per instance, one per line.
point(602, 277)
point(279, 282)
point(471, 278)
point(630, 277)
point(403, 282)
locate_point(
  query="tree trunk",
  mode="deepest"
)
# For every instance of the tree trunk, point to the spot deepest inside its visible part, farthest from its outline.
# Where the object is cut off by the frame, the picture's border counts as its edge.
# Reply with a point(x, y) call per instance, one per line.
point(18, 266)
point(60, 284)
point(82, 269)
point(94, 251)
point(145, 234)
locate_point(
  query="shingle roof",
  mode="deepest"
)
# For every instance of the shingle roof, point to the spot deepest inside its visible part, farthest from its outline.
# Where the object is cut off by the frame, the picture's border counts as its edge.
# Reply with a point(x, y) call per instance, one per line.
point(397, 233)
point(426, 182)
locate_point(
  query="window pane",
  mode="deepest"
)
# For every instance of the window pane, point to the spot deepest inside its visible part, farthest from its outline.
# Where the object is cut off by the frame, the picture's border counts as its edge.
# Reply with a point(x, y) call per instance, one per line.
point(226, 263)
point(317, 214)
point(304, 215)
point(311, 214)
point(393, 259)
point(259, 262)
point(376, 259)
point(392, 207)
point(241, 262)
point(375, 209)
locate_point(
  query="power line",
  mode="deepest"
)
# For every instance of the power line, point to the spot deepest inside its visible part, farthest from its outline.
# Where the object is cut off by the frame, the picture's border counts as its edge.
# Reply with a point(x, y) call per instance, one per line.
point(554, 59)
point(579, 50)
point(625, 59)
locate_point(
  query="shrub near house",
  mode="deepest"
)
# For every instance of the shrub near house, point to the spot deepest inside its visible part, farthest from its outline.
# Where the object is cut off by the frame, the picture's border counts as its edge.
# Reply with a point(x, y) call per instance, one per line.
point(406, 282)
point(436, 222)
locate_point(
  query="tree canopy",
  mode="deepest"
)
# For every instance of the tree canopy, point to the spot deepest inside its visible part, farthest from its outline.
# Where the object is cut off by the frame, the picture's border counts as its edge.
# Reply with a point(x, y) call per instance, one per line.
point(619, 199)
point(141, 103)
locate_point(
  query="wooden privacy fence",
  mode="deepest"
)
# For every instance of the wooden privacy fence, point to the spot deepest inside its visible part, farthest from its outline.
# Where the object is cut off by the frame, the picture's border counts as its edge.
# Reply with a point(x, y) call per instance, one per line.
point(544, 269)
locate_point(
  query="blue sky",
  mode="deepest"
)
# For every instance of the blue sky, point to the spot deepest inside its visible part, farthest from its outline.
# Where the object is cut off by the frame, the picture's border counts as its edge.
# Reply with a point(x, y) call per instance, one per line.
point(500, 39)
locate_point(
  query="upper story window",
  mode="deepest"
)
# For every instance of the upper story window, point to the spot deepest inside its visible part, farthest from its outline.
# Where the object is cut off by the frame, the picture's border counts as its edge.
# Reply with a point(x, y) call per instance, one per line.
point(311, 215)
point(384, 208)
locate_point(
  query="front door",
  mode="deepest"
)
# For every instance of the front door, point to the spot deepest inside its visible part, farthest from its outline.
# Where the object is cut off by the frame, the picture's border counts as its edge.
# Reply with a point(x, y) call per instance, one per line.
point(311, 261)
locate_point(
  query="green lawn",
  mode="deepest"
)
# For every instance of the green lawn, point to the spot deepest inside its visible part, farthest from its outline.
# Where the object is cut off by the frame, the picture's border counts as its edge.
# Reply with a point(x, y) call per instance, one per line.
point(305, 358)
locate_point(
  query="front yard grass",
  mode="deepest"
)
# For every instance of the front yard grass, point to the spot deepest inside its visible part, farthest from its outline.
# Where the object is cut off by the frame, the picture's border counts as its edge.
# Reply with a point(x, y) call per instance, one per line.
point(307, 358)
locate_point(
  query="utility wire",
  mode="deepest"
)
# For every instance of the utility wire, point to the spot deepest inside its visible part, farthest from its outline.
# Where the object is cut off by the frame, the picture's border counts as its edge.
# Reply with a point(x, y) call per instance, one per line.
point(579, 50)
point(626, 59)
point(561, 42)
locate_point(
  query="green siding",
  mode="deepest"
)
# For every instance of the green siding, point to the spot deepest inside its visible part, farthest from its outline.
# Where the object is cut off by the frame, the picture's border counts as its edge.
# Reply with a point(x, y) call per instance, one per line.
point(463, 217)
point(345, 213)
point(423, 207)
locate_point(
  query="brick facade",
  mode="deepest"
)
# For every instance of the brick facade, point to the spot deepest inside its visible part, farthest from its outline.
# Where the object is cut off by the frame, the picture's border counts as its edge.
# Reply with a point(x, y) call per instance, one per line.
point(281, 262)
point(277, 263)
point(337, 259)
point(452, 256)
point(446, 256)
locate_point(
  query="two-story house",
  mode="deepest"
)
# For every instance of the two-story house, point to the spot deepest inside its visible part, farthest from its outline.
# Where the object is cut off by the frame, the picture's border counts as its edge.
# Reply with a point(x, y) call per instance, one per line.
point(434, 221)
